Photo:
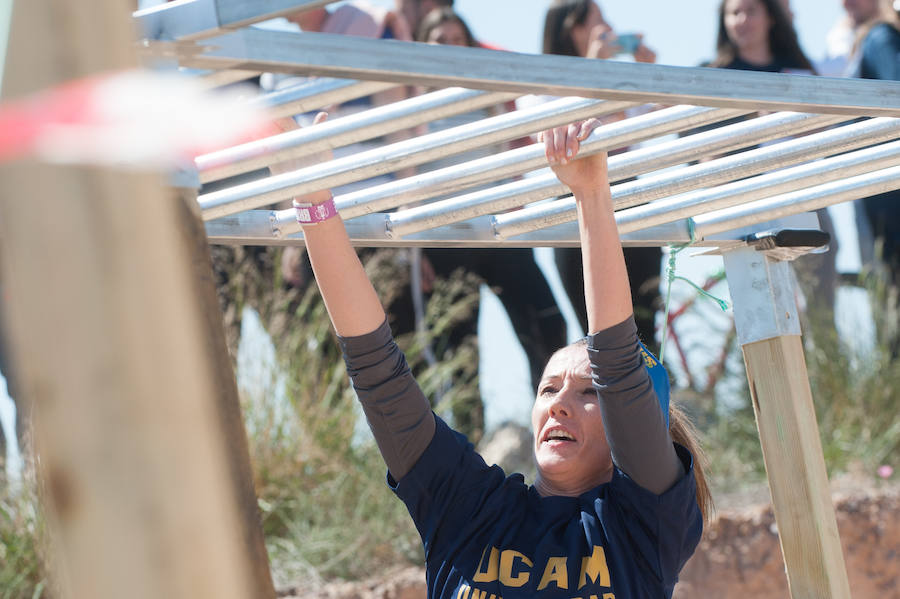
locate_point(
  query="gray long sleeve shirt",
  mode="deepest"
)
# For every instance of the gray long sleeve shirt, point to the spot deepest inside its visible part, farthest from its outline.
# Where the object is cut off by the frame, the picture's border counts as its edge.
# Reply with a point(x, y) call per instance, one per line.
point(403, 424)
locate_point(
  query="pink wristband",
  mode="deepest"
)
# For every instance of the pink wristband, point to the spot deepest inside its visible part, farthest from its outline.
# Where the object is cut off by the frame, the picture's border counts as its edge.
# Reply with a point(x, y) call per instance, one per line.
point(311, 214)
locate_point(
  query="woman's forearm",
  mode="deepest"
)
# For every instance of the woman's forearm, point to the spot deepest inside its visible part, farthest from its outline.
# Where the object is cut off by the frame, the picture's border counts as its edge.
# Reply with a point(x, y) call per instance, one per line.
point(353, 305)
point(607, 294)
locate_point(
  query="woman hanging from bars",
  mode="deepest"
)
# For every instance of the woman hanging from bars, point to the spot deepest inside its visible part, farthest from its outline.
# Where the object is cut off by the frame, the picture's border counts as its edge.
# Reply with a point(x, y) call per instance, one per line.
point(616, 508)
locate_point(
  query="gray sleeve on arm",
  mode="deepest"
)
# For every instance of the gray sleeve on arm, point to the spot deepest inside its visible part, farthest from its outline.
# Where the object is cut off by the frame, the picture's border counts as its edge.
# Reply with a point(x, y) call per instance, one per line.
point(397, 411)
point(635, 427)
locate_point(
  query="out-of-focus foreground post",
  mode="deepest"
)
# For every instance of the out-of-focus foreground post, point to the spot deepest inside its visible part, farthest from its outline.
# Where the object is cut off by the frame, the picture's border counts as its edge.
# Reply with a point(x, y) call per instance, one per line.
point(117, 337)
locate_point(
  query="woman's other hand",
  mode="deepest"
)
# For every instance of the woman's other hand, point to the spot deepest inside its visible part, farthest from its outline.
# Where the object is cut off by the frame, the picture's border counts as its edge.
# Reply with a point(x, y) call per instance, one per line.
point(562, 145)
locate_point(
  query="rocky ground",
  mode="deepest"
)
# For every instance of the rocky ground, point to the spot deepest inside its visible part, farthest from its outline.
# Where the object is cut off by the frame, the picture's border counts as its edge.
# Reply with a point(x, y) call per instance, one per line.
point(739, 556)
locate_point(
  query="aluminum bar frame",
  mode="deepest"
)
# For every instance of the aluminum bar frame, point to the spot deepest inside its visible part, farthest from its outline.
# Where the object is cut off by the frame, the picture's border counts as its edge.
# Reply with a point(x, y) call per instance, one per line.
point(407, 153)
point(514, 195)
point(344, 131)
point(447, 66)
point(197, 19)
point(504, 165)
point(514, 162)
point(764, 186)
point(813, 198)
point(715, 172)
point(253, 227)
point(316, 94)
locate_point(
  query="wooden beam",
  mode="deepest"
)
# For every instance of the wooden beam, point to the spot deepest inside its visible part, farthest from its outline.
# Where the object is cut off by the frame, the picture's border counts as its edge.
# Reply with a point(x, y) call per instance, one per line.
point(801, 497)
point(767, 323)
point(119, 342)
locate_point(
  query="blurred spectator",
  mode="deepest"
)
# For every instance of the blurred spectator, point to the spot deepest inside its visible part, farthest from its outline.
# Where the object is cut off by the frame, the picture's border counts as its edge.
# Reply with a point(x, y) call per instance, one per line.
point(759, 35)
point(511, 273)
point(875, 54)
point(444, 26)
point(414, 11)
point(577, 28)
point(354, 18)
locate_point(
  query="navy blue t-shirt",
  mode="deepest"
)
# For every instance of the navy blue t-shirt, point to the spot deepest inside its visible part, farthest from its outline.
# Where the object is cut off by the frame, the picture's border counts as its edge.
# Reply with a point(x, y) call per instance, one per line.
point(489, 536)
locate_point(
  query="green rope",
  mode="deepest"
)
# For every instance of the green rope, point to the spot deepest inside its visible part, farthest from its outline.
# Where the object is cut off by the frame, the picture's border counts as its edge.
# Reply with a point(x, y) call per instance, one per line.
point(671, 276)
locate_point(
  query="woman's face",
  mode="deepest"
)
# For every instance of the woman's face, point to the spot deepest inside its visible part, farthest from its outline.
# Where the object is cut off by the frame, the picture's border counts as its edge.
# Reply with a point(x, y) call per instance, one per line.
point(581, 32)
point(747, 23)
point(861, 11)
point(570, 443)
point(449, 33)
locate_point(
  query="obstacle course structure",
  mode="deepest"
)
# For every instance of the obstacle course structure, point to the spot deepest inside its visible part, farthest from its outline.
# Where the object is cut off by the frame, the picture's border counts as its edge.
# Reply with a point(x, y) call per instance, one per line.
point(749, 197)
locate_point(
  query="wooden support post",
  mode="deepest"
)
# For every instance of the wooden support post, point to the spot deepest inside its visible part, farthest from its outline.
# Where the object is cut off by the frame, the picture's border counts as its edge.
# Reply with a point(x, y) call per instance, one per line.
point(119, 343)
point(768, 328)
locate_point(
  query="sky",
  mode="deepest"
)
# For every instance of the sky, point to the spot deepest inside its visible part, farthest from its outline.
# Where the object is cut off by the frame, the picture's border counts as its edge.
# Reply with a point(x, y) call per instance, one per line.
point(681, 32)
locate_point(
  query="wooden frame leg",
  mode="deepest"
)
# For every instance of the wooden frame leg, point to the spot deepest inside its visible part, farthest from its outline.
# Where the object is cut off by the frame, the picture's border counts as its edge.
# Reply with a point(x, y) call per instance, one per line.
point(118, 339)
point(768, 328)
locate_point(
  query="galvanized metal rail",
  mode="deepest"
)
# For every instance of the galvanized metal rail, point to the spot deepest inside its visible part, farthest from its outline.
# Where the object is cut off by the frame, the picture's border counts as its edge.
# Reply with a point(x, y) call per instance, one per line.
point(438, 208)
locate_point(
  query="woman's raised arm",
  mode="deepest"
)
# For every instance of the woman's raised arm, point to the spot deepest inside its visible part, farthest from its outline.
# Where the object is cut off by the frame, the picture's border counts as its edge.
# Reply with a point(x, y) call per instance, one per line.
point(351, 300)
point(607, 294)
point(635, 426)
point(397, 412)
point(353, 305)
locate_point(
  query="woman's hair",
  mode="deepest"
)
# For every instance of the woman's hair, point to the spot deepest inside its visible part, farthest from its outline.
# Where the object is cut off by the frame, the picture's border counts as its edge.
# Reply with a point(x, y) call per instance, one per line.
point(782, 39)
point(683, 432)
point(438, 17)
point(561, 17)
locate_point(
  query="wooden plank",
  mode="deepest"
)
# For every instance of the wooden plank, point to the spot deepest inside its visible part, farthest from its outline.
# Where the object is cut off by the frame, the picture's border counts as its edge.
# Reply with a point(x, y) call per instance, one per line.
point(119, 345)
point(228, 404)
point(789, 434)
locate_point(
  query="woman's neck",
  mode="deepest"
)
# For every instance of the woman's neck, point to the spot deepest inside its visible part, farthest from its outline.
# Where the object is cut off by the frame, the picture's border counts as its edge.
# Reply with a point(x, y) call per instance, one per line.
point(548, 488)
point(756, 55)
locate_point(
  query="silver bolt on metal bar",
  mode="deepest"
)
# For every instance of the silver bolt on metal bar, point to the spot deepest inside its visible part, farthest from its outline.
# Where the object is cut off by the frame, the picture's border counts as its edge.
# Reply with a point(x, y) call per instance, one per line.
point(756, 188)
point(714, 172)
point(516, 194)
point(445, 66)
point(344, 131)
point(317, 94)
point(407, 153)
point(813, 198)
point(196, 19)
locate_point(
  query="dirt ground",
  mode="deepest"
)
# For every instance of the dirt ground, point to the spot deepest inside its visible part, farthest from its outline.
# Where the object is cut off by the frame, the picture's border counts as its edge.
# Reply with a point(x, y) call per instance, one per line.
point(739, 555)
